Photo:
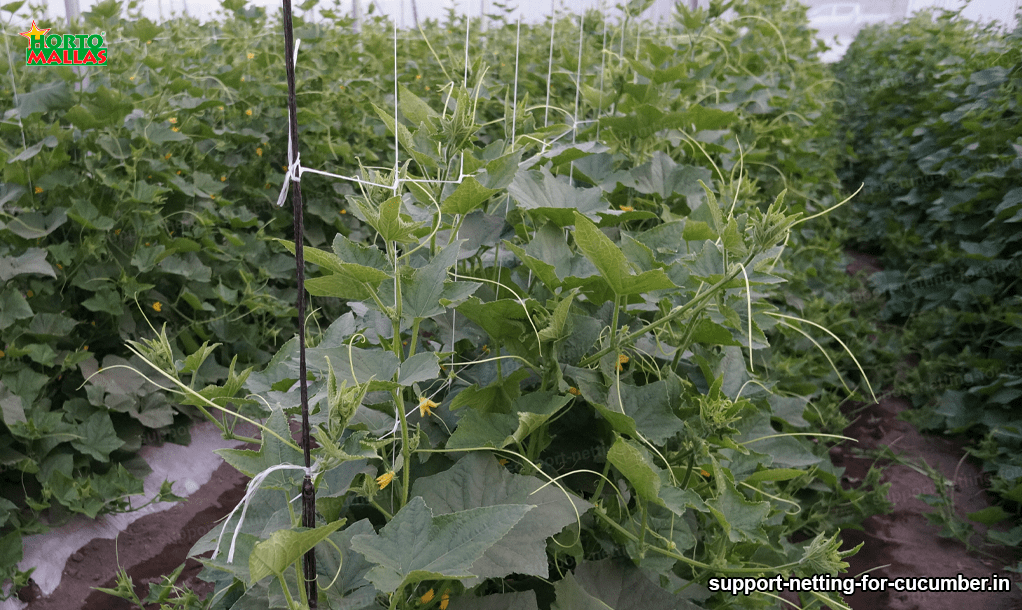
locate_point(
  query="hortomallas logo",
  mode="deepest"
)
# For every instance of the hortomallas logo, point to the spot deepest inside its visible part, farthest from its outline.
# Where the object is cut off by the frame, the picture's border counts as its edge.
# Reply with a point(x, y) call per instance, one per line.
point(53, 49)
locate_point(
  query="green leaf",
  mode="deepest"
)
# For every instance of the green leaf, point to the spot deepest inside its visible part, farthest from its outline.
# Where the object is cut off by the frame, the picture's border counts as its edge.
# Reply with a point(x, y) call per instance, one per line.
point(413, 107)
point(51, 325)
point(362, 365)
point(500, 319)
point(419, 368)
point(416, 546)
point(346, 281)
point(421, 295)
point(650, 407)
point(623, 586)
point(478, 480)
point(11, 550)
point(388, 222)
point(337, 286)
point(483, 429)
point(554, 199)
point(81, 118)
point(714, 209)
point(989, 515)
point(11, 407)
point(634, 463)
point(656, 176)
point(558, 321)
point(612, 264)
point(271, 453)
point(348, 251)
point(187, 265)
point(774, 474)
point(526, 600)
point(43, 98)
point(497, 430)
point(32, 260)
point(98, 437)
point(106, 300)
point(33, 225)
point(571, 596)
point(742, 520)
point(147, 193)
point(352, 566)
point(285, 547)
point(469, 195)
point(544, 271)
point(786, 451)
point(406, 139)
point(13, 307)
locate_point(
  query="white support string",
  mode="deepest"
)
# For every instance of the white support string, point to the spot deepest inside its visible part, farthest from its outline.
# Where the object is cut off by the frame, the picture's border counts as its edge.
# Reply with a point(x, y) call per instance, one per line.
point(397, 176)
point(578, 87)
point(603, 66)
point(468, 26)
point(253, 486)
point(550, 64)
point(294, 168)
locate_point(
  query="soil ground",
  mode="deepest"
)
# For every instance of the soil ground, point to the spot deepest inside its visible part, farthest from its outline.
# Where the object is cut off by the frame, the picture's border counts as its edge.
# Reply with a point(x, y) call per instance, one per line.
point(904, 540)
point(900, 544)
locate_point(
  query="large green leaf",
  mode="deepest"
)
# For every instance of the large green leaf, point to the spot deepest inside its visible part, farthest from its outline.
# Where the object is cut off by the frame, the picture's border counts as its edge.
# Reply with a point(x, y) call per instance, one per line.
point(497, 430)
point(741, 519)
point(428, 292)
point(623, 586)
point(635, 464)
point(478, 480)
point(526, 600)
point(571, 596)
point(32, 260)
point(651, 407)
point(98, 437)
point(503, 319)
point(468, 196)
point(354, 366)
point(11, 407)
point(351, 566)
point(51, 324)
point(347, 280)
point(13, 307)
point(33, 225)
point(416, 546)
point(285, 547)
point(272, 451)
point(387, 220)
point(414, 108)
point(55, 95)
point(787, 451)
point(419, 368)
point(549, 197)
point(612, 264)
point(650, 482)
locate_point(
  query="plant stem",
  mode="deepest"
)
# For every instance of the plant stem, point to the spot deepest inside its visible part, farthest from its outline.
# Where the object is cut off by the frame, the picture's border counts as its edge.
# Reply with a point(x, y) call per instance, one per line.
point(230, 436)
point(415, 337)
point(603, 480)
point(406, 453)
point(613, 323)
point(382, 510)
point(677, 313)
point(692, 562)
